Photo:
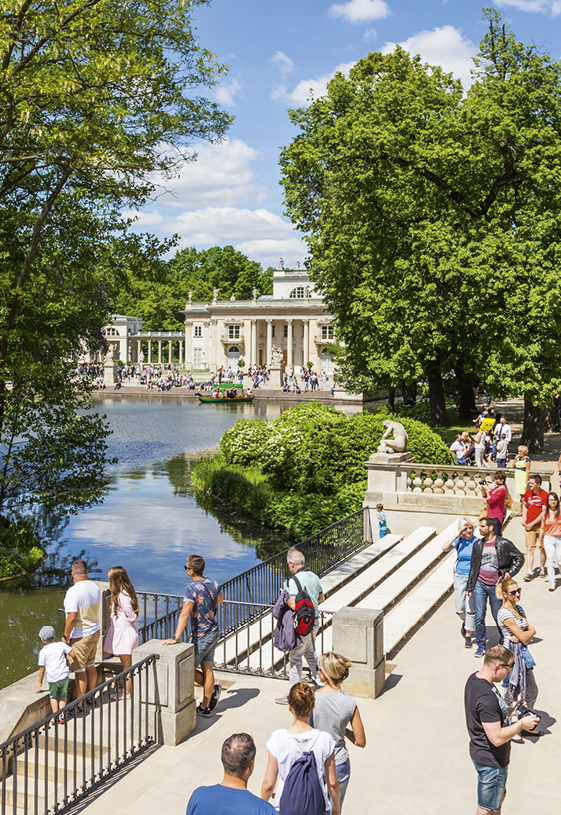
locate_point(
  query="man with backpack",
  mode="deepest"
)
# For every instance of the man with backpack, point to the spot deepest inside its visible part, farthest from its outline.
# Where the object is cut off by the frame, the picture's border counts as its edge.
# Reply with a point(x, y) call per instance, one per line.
point(304, 596)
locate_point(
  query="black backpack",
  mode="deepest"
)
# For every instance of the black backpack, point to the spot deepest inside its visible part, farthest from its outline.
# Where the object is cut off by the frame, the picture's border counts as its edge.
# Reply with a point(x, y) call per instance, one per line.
point(302, 793)
point(304, 610)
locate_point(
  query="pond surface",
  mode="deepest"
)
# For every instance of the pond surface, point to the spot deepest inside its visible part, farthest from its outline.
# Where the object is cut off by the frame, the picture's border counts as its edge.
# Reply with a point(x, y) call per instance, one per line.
point(148, 522)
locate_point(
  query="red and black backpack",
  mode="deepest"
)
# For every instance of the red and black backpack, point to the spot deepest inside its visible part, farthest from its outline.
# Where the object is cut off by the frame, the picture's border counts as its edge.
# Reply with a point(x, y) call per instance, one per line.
point(304, 610)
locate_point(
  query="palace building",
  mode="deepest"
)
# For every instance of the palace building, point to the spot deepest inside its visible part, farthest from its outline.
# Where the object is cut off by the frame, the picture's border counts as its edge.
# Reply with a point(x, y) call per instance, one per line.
point(292, 321)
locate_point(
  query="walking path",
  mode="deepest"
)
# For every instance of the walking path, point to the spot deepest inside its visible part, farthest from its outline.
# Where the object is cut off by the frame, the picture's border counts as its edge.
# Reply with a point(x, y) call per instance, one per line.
point(416, 759)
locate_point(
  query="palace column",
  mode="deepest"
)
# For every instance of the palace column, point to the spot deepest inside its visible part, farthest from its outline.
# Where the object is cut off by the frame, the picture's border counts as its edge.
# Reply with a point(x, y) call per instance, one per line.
point(170, 352)
point(254, 330)
point(306, 348)
point(189, 345)
point(159, 352)
point(289, 343)
point(138, 349)
point(149, 352)
point(180, 352)
point(269, 349)
point(207, 343)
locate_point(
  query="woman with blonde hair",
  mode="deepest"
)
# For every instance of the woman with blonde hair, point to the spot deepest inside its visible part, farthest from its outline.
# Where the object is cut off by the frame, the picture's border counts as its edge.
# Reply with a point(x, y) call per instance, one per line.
point(334, 711)
point(521, 464)
point(286, 747)
point(122, 636)
point(517, 633)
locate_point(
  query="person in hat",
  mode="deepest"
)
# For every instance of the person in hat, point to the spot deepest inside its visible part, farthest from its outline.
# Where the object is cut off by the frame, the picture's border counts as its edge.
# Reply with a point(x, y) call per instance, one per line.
point(52, 661)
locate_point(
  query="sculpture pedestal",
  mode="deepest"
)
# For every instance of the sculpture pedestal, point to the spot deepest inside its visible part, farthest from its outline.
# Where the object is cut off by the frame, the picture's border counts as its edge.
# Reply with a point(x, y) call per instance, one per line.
point(390, 458)
point(275, 374)
point(109, 374)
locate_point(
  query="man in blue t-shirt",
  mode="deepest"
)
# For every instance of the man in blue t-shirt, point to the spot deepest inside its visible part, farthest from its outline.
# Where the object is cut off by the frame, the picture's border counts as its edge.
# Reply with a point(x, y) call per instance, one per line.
point(200, 603)
point(231, 796)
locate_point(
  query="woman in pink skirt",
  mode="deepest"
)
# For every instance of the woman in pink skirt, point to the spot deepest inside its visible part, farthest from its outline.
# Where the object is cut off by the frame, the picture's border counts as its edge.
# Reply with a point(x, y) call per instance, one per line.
point(122, 635)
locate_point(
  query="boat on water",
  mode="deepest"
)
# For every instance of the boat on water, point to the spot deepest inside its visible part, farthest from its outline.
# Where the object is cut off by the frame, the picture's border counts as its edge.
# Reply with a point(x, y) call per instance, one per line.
point(230, 396)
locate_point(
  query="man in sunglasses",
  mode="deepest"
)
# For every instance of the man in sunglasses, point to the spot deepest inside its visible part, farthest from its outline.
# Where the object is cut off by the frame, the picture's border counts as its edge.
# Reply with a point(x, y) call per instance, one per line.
point(200, 604)
point(489, 730)
point(493, 559)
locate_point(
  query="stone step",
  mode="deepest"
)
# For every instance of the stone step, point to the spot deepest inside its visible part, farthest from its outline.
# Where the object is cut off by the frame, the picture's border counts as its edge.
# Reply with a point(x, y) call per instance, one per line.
point(420, 602)
point(403, 579)
point(374, 575)
point(392, 589)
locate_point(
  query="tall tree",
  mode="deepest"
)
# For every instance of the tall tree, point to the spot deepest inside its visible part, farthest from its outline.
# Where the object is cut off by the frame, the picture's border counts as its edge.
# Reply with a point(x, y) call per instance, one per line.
point(95, 97)
point(432, 219)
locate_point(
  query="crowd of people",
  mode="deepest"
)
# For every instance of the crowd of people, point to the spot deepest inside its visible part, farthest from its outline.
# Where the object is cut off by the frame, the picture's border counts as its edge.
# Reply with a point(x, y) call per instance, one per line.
point(484, 574)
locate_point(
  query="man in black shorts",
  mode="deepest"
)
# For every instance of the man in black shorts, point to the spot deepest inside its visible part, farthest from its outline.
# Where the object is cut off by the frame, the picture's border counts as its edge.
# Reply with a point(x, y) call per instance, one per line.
point(490, 733)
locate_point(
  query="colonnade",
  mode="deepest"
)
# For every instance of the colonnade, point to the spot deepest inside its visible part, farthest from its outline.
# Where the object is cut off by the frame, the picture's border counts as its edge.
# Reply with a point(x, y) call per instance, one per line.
point(157, 353)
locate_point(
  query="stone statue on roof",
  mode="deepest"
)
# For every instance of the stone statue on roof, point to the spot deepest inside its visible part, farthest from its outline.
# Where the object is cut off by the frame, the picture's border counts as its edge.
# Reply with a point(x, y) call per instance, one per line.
point(255, 294)
point(281, 263)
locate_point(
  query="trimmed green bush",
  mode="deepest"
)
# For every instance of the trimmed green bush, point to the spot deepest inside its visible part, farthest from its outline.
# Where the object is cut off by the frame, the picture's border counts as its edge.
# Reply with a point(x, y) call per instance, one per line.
point(305, 470)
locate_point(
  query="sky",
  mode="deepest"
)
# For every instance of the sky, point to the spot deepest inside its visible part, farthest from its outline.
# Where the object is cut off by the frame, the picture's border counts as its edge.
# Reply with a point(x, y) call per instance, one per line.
point(279, 50)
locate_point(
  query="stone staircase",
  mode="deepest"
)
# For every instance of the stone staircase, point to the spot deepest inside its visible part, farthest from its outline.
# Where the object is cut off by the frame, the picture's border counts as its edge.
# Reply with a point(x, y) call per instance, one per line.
point(62, 760)
point(406, 577)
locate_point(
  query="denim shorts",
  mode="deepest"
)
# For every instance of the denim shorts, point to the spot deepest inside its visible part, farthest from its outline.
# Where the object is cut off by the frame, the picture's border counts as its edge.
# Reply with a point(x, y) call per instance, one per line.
point(491, 786)
point(204, 648)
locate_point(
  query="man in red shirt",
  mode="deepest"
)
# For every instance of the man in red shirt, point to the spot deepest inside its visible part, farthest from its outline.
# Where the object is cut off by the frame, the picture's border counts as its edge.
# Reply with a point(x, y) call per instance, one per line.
point(535, 499)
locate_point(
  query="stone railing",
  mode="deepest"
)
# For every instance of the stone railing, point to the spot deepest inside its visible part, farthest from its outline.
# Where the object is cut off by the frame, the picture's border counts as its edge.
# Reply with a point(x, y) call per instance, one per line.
point(447, 480)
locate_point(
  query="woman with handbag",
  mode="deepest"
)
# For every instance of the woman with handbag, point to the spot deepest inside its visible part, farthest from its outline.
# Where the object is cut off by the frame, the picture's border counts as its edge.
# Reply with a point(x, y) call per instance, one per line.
point(517, 633)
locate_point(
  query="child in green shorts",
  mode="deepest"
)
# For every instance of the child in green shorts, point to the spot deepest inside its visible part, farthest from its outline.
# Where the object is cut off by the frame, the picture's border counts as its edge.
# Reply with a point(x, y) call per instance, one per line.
point(52, 660)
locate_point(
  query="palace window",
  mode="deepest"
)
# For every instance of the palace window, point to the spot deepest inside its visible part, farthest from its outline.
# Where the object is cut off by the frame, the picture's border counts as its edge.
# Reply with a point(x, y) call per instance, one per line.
point(233, 332)
point(285, 331)
point(233, 356)
point(326, 363)
point(327, 332)
point(197, 331)
point(298, 293)
point(111, 332)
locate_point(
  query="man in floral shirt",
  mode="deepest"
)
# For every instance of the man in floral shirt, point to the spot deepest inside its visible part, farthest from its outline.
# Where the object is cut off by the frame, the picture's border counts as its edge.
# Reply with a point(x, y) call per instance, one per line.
point(200, 603)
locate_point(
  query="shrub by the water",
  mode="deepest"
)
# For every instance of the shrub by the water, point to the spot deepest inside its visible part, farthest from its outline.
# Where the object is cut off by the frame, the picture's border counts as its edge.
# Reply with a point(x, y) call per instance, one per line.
point(19, 550)
point(305, 470)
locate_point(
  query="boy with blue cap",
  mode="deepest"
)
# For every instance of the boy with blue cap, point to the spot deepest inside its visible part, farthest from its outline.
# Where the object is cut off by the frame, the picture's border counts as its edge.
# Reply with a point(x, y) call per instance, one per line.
point(52, 661)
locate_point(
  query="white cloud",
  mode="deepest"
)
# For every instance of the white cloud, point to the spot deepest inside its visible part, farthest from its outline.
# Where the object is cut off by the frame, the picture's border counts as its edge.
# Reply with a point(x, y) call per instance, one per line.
point(225, 93)
point(443, 46)
point(369, 34)
point(221, 174)
point(283, 63)
point(259, 233)
point(544, 6)
point(359, 11)
point(318, 86)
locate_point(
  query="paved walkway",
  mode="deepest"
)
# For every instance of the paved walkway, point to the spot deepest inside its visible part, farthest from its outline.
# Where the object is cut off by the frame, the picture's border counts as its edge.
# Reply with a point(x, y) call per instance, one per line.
point(416, 759)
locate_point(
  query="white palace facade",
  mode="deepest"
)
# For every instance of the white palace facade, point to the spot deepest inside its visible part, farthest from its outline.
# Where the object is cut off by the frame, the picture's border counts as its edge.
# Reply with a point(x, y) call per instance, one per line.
point(293, 321)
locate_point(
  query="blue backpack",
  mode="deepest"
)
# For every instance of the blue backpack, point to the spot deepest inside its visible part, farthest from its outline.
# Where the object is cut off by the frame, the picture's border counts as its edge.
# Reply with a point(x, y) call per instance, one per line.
point(302, 793)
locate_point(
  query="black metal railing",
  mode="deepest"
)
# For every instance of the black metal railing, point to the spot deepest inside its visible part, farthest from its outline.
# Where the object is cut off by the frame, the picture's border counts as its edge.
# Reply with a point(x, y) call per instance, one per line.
point(249, 647)
point(249, 597)
point(53, 764)
point(323, 550)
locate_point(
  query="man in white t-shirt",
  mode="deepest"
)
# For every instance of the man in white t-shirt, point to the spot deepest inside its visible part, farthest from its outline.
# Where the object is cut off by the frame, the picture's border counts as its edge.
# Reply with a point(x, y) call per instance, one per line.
point(82, 630)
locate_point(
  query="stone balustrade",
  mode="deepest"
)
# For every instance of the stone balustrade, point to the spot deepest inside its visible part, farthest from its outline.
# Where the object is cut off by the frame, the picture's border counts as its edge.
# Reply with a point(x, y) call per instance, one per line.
point(447, 480)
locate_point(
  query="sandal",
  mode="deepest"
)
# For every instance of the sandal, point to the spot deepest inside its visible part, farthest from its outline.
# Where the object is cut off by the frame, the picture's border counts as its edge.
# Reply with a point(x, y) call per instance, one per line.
point(542, 573)
point(528, 577)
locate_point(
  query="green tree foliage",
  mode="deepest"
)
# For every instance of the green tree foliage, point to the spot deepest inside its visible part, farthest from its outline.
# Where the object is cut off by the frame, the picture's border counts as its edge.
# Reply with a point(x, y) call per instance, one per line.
point(433, 218)
point(305, 469)
point(91, 90)
point(157, 291)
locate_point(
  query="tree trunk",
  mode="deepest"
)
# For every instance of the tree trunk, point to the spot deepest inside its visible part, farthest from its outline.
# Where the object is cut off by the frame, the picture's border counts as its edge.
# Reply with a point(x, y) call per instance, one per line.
point(439, 416)
point(391, 400)
point(409, 394)
point(466, 393)
point(534, 427)
point(552, 417)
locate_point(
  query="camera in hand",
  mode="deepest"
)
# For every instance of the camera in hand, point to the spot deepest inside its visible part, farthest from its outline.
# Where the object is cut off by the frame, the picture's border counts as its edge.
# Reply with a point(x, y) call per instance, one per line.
point(522, 711)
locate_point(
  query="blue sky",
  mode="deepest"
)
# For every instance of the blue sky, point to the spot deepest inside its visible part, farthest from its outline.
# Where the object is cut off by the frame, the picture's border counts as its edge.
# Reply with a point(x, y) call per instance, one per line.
point(278, 51)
